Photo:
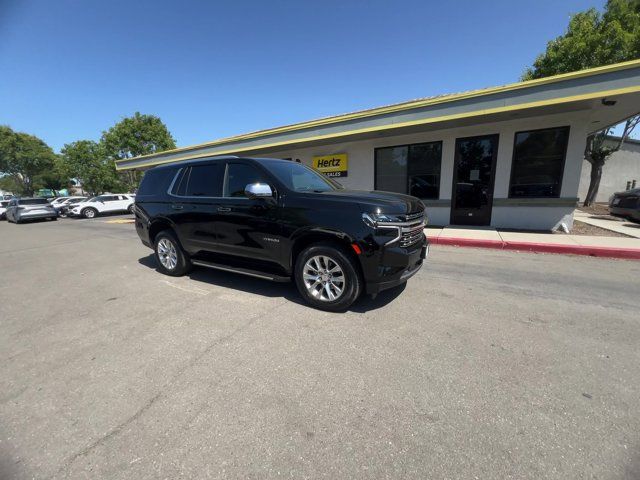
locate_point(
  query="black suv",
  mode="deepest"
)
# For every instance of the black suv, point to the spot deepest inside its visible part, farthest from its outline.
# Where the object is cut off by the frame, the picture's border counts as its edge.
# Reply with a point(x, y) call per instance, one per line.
point(277, 219)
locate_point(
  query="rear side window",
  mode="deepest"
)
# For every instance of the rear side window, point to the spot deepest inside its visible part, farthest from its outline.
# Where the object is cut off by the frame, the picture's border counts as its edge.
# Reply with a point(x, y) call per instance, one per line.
point(205, 181)
point(156, 181)
point(34, 201)
point(239, 176)
point(180, 185)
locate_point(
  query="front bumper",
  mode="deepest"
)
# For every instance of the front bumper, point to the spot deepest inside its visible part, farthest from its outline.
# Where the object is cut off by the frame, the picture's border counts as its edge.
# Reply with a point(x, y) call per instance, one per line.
point(391, 266)
point(624, 212)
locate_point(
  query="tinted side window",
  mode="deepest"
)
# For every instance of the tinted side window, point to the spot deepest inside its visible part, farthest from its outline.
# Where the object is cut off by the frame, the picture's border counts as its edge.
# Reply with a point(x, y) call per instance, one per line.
point(180, 185)
point(239, 176)
point(34, 201)
point(156, 181)
point(205, 181)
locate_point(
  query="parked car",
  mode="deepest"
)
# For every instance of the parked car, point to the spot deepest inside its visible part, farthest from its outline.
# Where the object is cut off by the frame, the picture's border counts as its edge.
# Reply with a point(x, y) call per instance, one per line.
point(62, 204)
point(70, 204)
point(21, 209)
point(3, 209)
point(103, 204)
point(626, 204)
point(57, 200)
point(280, 220)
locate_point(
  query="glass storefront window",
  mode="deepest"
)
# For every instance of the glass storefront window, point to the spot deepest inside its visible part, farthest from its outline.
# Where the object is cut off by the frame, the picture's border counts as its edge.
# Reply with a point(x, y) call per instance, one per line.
point(538, 163)
point(410, 169)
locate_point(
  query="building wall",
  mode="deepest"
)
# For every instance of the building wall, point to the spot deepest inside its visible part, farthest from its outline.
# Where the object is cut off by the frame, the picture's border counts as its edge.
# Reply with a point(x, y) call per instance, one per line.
point(507, 213)
point(623, 166)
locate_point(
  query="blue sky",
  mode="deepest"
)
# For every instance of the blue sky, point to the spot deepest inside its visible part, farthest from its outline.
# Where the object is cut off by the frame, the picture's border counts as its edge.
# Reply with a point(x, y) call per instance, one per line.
point(70, 69)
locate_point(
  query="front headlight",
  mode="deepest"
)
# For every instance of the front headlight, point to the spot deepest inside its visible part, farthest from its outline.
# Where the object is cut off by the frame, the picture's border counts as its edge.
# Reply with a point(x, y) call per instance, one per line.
point(373, 220)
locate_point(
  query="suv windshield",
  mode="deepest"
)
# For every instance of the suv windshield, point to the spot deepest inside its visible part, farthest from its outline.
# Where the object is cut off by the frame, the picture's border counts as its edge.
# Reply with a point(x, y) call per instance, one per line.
point(301, 178)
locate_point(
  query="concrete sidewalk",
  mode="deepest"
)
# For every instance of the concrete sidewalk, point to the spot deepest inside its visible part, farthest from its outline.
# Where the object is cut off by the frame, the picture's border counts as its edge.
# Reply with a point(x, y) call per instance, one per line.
point(612, 247)
point(617, 225)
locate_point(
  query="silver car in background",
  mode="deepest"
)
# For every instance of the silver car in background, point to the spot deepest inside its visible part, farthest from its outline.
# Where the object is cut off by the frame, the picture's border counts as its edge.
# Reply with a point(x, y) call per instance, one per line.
point(22, 209)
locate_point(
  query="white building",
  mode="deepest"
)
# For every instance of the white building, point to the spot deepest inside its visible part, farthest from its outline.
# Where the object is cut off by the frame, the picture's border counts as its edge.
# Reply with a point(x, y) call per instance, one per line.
point(507, 156)
point(620, 172)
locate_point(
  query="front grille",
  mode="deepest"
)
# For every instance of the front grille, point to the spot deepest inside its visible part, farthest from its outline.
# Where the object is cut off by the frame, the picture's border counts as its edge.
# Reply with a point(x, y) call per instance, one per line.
point(411, 235)
point(409, 217)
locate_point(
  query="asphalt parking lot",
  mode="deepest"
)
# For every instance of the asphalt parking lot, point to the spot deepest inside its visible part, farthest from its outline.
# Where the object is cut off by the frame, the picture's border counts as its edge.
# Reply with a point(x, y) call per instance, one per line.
point(489, 364)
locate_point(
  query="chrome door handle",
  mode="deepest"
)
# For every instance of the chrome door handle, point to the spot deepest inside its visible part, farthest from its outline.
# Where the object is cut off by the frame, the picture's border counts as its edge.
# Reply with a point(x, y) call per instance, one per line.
point(224, 209)
point(177, 207)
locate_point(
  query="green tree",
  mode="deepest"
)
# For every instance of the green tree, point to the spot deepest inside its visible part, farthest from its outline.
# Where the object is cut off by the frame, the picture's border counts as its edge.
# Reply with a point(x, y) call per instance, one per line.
point(86, 161)
point(55, 178)
point(595, 39)
point(24, 157)
point(135, 136)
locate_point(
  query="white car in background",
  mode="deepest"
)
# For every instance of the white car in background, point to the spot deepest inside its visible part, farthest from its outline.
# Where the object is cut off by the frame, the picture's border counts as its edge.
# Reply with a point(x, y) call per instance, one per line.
point(61, 203)
point(57, 200)
point(3, 209)
point(111, 203)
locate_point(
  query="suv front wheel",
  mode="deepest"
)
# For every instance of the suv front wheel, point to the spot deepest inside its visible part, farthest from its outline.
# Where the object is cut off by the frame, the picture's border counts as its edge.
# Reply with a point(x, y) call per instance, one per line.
point(170, 256)
point(327, 277)
point(89, 212)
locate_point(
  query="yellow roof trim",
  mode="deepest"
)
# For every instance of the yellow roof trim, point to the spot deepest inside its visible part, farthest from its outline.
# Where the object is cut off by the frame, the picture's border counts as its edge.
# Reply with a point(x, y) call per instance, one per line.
point(425, 121)
point(405, 106)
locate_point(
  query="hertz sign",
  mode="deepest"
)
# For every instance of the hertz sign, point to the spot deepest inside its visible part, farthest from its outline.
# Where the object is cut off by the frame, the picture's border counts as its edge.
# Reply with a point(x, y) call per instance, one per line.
point(332, 165)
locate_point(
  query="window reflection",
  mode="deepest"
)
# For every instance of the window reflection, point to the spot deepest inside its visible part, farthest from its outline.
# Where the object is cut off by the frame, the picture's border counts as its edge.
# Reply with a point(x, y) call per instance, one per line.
point(538, 162)
point(412, 169)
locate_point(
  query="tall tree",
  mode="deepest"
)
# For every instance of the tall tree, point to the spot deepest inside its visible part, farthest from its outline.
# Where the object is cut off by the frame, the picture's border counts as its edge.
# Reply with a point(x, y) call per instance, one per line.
point(594, 39)
point(135, 136)
point(24, 157)
point(54, 178)
point(87, 161)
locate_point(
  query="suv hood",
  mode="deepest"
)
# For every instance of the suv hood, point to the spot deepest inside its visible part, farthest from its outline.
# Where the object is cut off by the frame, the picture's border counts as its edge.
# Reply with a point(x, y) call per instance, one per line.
point(371, 201)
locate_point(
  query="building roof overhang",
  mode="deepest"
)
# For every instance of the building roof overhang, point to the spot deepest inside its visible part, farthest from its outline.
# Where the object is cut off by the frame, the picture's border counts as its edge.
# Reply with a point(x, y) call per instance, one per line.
point(578, 91)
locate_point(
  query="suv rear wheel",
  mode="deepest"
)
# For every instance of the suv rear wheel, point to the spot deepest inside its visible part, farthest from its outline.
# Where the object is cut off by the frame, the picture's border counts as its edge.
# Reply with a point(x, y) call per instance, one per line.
point(171, 258)
point(327, 277)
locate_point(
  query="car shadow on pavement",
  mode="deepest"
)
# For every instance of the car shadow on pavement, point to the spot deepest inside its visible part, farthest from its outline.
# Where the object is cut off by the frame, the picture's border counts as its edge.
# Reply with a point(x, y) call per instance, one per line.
point(273, 289)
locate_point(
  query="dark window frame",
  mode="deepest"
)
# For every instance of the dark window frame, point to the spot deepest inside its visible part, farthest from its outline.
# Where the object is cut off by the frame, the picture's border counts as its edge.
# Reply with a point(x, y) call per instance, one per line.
point(562, 167)
point(407, 145)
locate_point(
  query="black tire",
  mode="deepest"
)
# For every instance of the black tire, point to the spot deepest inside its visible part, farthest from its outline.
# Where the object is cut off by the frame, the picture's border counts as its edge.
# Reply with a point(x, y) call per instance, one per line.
point(89, 212)
point(352, 286)
point(130, 209)
point(183, 263)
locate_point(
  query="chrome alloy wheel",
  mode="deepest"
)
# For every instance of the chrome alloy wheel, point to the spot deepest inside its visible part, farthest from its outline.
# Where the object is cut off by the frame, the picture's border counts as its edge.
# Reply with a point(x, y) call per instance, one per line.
point(167, 254)
point(323, 278)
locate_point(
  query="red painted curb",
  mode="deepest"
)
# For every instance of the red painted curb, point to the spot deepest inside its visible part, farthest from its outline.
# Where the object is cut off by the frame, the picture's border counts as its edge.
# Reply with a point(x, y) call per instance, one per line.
point(468, 242)
point(586, 250)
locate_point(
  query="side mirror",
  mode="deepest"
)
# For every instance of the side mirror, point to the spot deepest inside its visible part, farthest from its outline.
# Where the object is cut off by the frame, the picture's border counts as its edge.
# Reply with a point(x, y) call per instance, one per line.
point(258, 190)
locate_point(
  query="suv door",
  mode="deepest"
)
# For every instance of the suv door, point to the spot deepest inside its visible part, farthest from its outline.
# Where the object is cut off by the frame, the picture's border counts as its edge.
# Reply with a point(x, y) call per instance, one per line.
point(194, 198)
point(107, 203)
point(247, 227)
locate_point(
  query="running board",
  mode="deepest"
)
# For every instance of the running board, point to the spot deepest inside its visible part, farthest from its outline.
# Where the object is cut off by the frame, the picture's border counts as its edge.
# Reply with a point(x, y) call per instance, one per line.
point(242, 271)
